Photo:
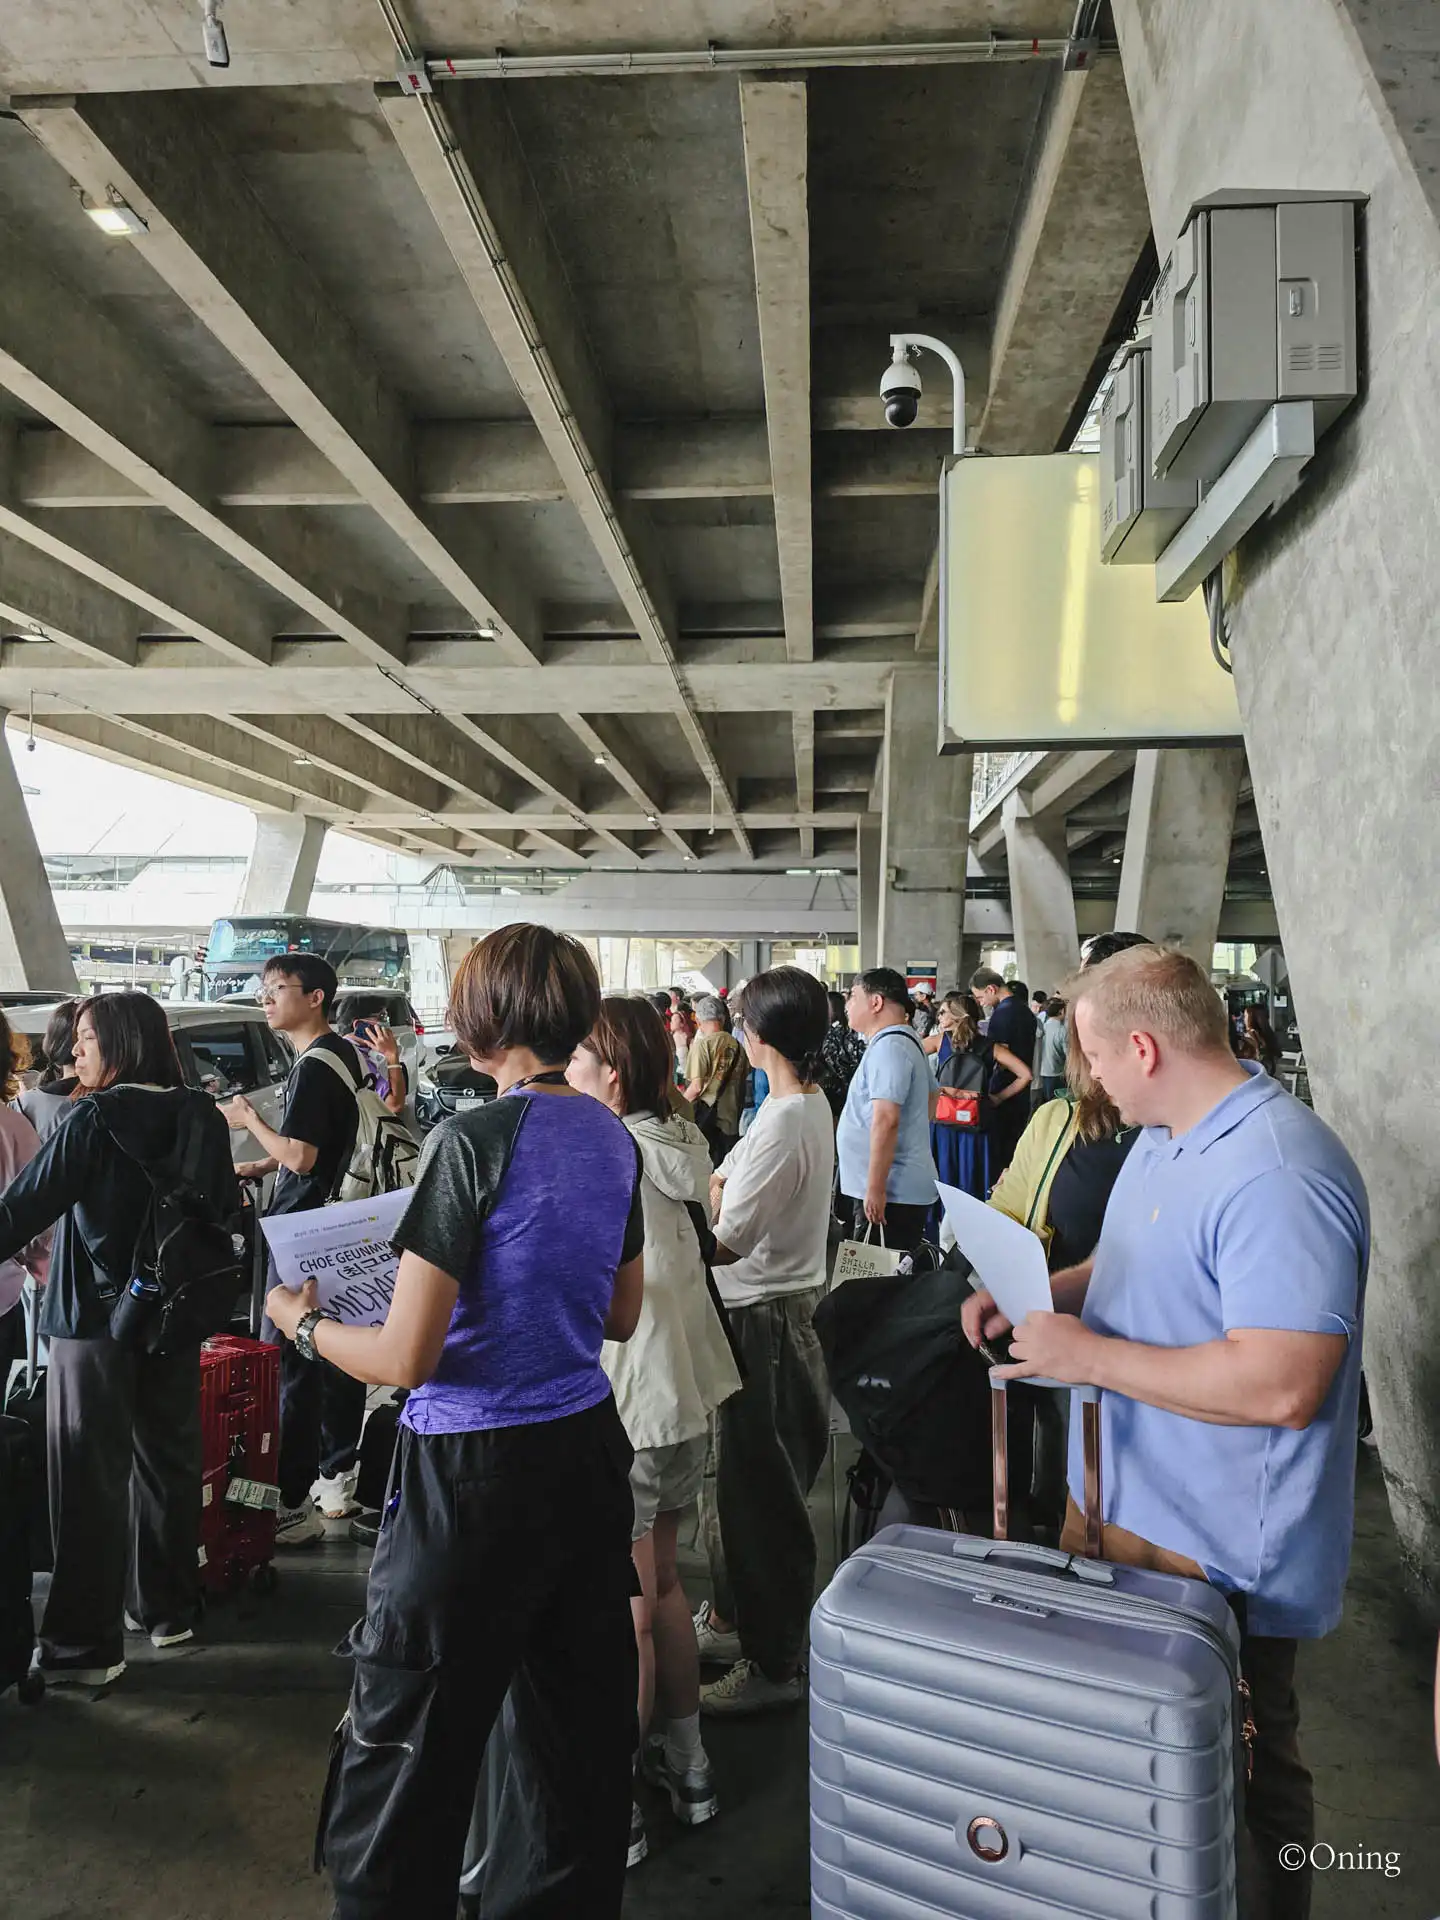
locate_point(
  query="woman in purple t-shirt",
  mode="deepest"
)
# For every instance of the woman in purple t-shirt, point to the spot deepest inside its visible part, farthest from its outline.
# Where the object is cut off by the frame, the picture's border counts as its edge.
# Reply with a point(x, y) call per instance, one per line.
point(520, 1254)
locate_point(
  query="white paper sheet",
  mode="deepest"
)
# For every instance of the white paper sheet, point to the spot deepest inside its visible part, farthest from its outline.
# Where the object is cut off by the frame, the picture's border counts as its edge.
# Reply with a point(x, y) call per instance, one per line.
point(1007, 1258)
point(346, 1250)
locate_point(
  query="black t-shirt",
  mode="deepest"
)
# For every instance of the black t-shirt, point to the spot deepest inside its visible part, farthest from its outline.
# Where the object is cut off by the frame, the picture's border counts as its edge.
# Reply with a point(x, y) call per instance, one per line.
point(1011, 1025)
point(1080, 1193)
point(320, 1112)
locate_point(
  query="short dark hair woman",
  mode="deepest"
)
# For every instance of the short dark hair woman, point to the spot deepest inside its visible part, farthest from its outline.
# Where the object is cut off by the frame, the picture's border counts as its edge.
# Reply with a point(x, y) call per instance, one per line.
point(503, 1560)
point(47, 1103)
point(122, 1425)
point(774, 1191)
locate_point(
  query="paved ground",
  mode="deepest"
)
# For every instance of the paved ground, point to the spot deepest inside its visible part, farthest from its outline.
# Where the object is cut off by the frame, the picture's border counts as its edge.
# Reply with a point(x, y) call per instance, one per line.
point(189, 1793)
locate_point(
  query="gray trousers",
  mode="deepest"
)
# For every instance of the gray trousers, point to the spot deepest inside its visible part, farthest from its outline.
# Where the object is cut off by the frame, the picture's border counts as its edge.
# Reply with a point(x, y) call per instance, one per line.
point(769, 1447)
point(123, 1446)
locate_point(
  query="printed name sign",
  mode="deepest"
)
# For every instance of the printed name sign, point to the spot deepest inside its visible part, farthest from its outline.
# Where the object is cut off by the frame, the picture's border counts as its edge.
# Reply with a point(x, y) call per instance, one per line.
point(346, 1250)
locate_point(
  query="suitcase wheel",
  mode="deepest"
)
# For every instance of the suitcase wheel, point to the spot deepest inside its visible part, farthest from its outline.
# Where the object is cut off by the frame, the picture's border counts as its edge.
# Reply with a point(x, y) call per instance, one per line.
point(31, 1688)
point(264, 1579)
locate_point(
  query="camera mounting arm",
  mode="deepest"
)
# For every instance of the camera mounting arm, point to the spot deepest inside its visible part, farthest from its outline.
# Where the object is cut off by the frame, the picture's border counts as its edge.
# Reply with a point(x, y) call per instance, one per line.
point(908, 343)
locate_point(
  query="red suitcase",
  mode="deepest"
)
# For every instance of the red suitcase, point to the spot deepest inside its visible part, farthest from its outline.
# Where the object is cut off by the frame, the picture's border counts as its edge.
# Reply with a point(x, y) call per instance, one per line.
point(240, 1428)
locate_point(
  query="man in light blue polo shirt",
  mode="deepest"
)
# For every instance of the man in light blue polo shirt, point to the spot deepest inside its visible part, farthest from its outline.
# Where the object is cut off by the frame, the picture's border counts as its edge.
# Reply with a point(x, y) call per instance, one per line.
point(1221, 1314)
point(883, 1138)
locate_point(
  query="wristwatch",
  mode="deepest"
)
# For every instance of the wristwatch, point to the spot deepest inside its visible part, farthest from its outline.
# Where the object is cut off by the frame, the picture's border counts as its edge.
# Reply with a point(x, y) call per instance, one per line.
point(305, 1332)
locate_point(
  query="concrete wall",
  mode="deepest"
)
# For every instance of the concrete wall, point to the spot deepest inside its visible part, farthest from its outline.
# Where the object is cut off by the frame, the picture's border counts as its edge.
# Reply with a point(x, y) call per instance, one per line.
point(1333, 618)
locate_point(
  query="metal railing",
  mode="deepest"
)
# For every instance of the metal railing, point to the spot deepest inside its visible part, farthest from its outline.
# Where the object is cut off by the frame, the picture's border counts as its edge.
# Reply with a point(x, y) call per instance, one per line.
point(992, 772)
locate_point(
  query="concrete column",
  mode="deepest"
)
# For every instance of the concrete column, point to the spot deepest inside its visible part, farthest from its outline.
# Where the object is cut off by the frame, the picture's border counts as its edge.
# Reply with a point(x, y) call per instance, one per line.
point(924, 835)
point(33, 948)
point(867, 892)
point(281, 875)
point(1332, 616)
point(1177, 845)
point(1042, 903)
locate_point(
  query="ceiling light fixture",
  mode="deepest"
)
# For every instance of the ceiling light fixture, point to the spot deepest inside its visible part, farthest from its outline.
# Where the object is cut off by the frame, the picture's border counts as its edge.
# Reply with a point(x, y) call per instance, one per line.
point(651, 820)
point(302, 760)
point(487, 630)
point(602, 759)
point(114, 215)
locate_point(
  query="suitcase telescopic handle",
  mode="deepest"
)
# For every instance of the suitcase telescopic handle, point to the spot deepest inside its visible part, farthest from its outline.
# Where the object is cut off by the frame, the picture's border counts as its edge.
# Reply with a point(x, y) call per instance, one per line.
point(1090, 1435)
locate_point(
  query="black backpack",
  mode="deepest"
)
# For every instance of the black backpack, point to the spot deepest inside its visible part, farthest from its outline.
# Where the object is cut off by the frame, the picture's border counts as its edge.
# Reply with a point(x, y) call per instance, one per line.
point(198, 1259)
point(916, 1393)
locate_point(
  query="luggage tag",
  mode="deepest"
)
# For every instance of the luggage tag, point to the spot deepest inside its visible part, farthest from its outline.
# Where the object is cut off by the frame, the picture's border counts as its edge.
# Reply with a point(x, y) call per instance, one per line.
point(257, 1496)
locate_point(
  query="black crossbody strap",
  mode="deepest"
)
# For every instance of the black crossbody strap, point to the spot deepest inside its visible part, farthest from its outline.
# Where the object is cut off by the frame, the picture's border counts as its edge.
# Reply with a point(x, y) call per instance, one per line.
point(705, 1235)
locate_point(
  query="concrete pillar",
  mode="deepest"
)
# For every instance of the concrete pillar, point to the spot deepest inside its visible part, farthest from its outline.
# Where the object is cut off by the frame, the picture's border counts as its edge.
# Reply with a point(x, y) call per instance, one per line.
point(281, 875)
point(867, 892)
point(33, 948)
point(1332, 617)
point(924, 834)
point(1042, 902)
point(1177, 845)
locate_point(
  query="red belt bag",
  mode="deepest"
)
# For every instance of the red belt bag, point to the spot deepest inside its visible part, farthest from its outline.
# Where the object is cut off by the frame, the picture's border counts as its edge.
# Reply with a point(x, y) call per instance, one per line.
point(957, 1109)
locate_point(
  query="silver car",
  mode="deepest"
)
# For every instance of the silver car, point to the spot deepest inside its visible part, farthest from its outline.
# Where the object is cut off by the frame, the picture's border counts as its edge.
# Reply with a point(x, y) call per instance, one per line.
point(223, 1050)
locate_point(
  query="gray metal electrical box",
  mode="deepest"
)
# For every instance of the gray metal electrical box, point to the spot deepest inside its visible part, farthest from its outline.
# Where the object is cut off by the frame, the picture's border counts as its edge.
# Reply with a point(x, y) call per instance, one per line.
point(1138, 513)
point(1255, 304)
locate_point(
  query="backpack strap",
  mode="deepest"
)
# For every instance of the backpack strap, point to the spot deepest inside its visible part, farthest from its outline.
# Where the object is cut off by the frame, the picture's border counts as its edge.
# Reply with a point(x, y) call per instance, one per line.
point(705, 1234)
point(331, 1060)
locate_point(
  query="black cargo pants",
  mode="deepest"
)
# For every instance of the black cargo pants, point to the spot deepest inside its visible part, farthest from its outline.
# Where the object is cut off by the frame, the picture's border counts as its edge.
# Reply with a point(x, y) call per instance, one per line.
point(503, 1564)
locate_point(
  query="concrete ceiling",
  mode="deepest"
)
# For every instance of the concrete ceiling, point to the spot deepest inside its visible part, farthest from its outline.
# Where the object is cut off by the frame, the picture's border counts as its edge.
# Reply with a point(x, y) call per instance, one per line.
point(501, 473)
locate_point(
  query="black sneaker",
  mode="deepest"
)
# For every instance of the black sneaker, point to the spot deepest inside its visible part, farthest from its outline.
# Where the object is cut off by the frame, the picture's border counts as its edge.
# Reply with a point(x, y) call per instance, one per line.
point(639, 1845)
point(692, 1792)
point(365, 1531)
point(84, 1672)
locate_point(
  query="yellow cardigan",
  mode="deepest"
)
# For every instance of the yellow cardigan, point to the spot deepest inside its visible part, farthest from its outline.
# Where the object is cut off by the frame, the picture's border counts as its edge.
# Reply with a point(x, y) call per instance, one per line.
point(1023, 1190)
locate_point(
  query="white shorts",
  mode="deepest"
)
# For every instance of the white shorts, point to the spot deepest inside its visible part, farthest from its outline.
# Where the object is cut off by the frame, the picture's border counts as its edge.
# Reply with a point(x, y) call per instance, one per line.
point(665, 1479)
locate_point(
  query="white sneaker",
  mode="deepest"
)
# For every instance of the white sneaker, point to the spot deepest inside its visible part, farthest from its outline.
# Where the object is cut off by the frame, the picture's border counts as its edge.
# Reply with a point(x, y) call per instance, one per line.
point(161, 1637)
point(716, 1649)
point(61, 1673)
point(745, 1690)
point(298, 1527)
point(334, 1495)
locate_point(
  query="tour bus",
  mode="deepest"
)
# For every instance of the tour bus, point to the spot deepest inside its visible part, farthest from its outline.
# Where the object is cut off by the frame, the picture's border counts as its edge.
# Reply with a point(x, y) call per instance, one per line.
point(375, 957)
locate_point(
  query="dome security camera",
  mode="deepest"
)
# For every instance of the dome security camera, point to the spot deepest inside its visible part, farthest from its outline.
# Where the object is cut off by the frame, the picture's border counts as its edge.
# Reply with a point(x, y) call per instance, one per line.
point(900, 390)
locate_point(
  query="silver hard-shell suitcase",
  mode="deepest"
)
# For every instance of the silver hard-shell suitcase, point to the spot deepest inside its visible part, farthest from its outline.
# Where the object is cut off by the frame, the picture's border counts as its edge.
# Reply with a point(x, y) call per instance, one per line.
point(1001, 1731)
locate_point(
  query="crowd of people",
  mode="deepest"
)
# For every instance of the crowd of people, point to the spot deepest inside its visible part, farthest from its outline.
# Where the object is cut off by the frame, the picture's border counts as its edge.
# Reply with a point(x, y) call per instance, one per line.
point(603, 1317)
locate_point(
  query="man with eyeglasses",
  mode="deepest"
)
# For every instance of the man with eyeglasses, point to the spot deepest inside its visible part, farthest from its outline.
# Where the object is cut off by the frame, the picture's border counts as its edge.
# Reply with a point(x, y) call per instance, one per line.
point(883, 1138)
point(321, 1410)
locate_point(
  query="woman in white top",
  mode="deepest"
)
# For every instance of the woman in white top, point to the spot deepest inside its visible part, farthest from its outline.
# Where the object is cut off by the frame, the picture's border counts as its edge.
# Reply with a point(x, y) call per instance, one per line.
point(668, 1379)
point(772, 1194)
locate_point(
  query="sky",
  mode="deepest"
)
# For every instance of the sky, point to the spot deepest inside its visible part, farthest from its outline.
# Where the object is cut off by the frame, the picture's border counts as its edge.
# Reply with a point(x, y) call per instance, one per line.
point(81, 804)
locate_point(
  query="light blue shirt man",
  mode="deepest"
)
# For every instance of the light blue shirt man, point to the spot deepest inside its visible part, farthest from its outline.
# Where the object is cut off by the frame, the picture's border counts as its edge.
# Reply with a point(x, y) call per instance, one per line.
point(895, 1067)
point(1256, 1217)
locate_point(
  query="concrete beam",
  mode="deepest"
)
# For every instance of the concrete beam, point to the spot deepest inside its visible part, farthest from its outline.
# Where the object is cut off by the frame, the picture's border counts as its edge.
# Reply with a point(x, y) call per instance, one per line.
point(63, 357)
point(323, 676)
point(1080, 230)
point(39, 595)
point(488, 463)
point(210, 240)
point(503, 247)
point(774, 123)
point(631, 767)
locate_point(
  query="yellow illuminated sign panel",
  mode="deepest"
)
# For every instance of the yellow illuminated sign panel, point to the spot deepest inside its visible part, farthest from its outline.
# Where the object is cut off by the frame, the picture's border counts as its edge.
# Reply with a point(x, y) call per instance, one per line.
point(1043, 646)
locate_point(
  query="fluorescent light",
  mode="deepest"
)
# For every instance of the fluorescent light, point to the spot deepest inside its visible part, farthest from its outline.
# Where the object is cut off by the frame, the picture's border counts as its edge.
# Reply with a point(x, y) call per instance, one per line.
point(114, 216)
point(302, 760)
point(602, 760)
point(487, 630)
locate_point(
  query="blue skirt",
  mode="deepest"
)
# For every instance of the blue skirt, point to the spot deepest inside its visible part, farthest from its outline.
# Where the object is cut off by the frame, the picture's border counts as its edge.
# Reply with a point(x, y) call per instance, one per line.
point(962, 1159)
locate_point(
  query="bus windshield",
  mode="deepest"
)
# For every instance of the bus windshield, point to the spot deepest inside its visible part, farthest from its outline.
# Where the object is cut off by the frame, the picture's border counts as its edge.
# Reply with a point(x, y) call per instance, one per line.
point(361, 956)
